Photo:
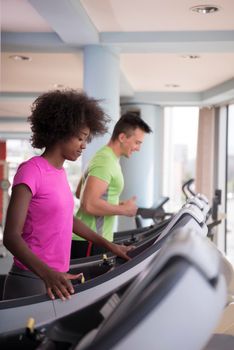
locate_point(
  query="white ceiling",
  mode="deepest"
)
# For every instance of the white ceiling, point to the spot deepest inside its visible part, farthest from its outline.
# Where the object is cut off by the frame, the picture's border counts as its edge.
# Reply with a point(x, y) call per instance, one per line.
point(152, 36)
point(154, 15)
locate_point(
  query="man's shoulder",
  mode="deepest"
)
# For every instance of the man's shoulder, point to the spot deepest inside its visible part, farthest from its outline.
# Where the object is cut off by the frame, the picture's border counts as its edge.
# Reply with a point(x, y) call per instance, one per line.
point(102, 155)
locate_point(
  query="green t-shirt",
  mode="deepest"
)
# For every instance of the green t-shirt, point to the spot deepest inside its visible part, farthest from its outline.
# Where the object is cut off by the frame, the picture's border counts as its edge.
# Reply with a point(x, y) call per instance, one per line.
point(105, 166)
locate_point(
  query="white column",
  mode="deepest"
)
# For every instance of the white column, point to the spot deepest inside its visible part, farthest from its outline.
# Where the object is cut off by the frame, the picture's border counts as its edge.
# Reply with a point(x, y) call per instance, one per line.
point(143, 171)
point(101, 81)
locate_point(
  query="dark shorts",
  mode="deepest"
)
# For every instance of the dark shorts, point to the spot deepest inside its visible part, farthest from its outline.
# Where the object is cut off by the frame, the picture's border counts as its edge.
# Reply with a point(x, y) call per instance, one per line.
point(22, 283)
point(81, 249)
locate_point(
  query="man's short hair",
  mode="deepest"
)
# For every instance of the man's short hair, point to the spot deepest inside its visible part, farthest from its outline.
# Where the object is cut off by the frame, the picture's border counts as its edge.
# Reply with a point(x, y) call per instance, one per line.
point(129, 122)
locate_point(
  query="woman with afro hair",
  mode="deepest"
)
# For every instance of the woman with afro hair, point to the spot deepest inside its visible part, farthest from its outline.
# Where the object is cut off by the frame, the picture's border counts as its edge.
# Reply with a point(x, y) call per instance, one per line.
point(40, 221)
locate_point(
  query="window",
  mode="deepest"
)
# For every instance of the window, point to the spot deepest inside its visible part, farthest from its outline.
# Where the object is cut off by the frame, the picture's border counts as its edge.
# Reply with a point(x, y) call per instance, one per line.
point(230, 185)
point(180, 144)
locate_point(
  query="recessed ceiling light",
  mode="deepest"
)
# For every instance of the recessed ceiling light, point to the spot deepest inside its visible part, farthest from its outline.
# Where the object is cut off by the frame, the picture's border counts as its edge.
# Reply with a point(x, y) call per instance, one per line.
point(20, 58)
point(172, 85)
point(58, 86)
point(191, 57)
point(205, 9)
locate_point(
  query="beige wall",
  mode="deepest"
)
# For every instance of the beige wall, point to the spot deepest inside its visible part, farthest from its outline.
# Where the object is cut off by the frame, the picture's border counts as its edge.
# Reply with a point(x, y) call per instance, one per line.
point(205, 152)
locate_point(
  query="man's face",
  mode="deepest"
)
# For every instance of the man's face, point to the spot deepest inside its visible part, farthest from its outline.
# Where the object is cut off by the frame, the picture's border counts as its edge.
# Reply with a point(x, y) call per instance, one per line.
point(132, 143)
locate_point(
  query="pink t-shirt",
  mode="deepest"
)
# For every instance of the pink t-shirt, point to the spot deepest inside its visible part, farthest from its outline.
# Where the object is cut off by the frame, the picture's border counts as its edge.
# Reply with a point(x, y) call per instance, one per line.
point(48, 225)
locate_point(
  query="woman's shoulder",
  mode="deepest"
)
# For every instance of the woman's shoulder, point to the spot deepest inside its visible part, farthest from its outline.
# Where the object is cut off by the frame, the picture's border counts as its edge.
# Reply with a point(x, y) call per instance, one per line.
point(33, 165)
point(32, 162)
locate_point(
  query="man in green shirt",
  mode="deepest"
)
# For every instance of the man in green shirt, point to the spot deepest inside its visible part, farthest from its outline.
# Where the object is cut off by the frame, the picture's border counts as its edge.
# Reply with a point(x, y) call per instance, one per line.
point(102, 183)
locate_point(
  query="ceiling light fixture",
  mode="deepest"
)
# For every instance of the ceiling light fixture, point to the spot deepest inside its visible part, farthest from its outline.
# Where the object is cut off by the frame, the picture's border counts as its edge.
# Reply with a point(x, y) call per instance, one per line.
point(205, 9)
point(191, 57)
point(58, 86)
point(172, 85)
point(20, 58)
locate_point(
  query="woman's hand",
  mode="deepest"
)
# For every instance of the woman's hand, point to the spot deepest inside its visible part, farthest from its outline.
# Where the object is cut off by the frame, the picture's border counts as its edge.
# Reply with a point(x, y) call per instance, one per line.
point(84, 231)
point(121, 250)
point(59, 284)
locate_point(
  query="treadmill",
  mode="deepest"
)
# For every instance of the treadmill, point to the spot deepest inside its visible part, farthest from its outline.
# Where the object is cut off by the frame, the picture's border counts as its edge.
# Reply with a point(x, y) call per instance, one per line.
point(174, 303)
point(102, 277)
point(134, 235)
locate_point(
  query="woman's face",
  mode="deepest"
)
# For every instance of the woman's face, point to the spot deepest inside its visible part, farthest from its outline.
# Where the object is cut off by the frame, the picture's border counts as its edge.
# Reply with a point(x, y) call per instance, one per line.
point(72, 148)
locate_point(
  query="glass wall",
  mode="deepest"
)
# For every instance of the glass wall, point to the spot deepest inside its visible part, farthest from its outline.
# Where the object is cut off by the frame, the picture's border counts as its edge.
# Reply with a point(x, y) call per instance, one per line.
point(230, 185)
point(180, 146)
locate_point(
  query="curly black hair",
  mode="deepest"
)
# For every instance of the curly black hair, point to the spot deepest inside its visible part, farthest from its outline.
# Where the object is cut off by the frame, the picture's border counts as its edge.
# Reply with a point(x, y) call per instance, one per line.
point(61, 114)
